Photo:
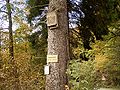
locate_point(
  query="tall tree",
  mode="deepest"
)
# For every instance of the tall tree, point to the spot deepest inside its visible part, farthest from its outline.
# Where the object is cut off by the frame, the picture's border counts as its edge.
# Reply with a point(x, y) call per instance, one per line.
point(58, 45)
point(11, 50)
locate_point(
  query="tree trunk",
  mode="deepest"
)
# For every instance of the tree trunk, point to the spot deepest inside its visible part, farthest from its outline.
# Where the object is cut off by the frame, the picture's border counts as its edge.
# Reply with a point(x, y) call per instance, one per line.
point(14, 71)
point(11, 51)
point(58, 45)
point(0, 50)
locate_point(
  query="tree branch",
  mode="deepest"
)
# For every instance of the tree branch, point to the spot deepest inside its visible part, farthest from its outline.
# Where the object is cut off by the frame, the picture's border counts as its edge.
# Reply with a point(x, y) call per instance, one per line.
point(3, 28)
point(3, 12)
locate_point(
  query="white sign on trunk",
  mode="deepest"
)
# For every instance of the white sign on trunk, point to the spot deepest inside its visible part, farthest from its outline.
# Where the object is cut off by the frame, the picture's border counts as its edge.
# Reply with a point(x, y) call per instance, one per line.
point(46, 69)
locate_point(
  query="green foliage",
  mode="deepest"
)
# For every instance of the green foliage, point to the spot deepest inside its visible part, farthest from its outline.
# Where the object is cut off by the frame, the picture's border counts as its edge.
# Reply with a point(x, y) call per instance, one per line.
point(82, 75)
point(94, 18)
point(103, 66)
point(112, 67)
point(107, 57)
point(38, 42)
point(36, 8)
point(38, 39)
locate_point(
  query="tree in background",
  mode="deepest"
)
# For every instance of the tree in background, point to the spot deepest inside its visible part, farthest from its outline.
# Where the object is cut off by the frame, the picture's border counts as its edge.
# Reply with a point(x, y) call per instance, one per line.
point(19, 74)
point(98, 27)
point(11, 50)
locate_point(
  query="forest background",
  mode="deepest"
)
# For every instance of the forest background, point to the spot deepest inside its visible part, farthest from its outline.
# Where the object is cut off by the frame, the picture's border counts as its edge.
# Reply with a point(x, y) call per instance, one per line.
point(94, 36)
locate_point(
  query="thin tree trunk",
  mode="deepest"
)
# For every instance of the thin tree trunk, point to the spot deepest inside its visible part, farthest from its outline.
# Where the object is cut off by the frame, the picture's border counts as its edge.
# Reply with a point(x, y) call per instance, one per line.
point(58, 45)
point(0, 51)
point(11, 49)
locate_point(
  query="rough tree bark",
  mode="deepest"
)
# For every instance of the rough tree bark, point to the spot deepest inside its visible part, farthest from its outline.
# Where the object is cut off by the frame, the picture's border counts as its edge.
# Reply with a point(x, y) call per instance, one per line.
point(58, 45)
